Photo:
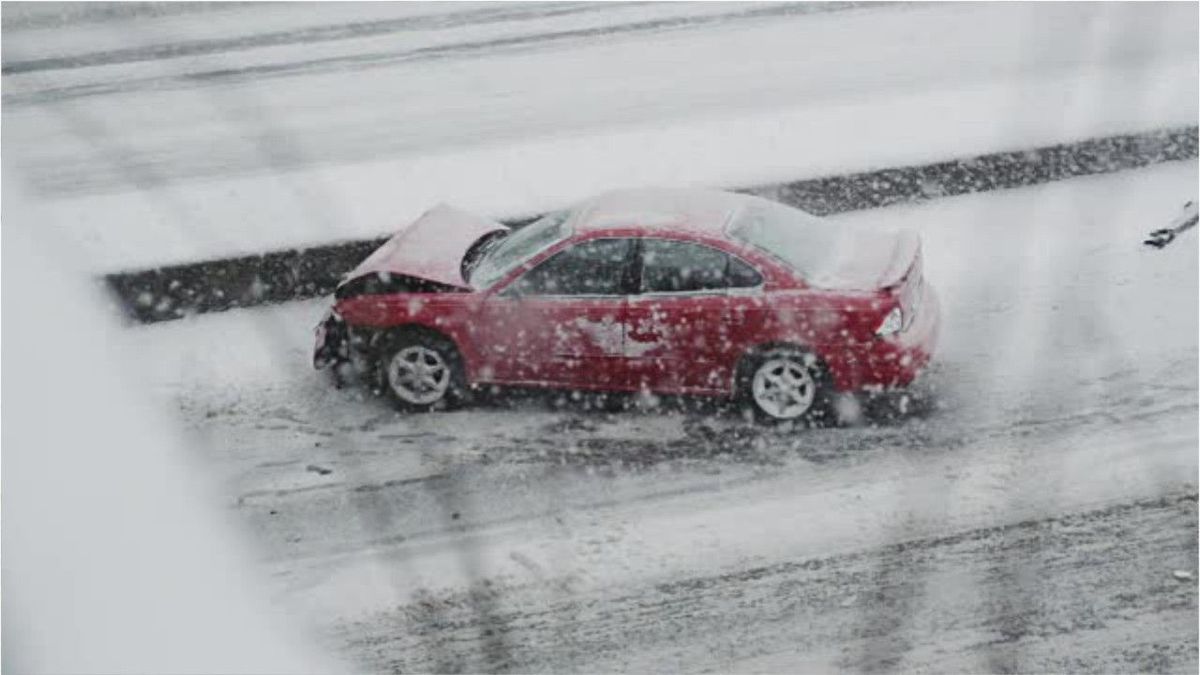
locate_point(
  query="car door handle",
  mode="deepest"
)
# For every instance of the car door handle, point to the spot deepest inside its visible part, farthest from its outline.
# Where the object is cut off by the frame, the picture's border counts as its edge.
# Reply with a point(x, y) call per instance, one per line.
point(644, 336)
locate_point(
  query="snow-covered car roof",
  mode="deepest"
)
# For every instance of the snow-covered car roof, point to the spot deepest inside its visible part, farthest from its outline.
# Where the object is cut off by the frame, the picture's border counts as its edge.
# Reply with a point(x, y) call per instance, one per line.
point(696, 210)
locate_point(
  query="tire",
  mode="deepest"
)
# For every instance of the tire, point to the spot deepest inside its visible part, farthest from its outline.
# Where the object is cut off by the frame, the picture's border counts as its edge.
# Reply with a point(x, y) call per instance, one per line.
point(422, 371)
point(786, 384)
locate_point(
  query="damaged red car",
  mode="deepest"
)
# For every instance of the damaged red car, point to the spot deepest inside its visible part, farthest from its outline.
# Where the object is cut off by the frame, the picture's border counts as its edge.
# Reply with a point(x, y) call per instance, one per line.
point(667, 291)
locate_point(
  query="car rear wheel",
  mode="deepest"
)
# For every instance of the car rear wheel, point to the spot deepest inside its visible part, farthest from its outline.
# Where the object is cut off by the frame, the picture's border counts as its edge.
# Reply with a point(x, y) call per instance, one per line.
point(785, 385)
point(422, 371)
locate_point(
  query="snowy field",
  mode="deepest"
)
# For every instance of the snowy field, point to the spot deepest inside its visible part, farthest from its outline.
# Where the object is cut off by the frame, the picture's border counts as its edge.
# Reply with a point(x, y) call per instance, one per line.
point(1025, 509)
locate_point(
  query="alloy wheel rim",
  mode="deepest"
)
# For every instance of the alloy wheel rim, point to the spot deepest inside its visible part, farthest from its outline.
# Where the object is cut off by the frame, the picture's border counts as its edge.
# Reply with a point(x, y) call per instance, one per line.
point(784, 388)
point(418, 375)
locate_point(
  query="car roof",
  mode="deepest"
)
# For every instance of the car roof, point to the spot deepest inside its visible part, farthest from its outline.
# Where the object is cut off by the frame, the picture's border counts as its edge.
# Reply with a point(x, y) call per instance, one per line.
point(669, 209)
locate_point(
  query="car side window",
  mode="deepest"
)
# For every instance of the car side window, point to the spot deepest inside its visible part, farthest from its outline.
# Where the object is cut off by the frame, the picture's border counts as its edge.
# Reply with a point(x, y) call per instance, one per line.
point(680, 267)
point(741, 275)
point(596, 267)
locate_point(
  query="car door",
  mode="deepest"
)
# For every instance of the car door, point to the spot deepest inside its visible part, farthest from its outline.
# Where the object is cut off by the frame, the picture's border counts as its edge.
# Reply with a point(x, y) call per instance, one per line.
point(680, 336)
point(562, 323)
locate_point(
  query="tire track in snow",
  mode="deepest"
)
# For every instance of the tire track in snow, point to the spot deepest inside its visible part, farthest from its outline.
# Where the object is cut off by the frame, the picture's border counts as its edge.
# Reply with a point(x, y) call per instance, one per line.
point(794, 607)
point(361, 61)
point(587, 443)
point(174, 291)
point(307, 35)
point(29, 16)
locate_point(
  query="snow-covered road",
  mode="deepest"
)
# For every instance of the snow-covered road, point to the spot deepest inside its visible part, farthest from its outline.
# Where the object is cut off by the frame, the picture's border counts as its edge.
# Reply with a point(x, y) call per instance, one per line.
point(1047, 479)
point(1024, 510)
point(198, 166)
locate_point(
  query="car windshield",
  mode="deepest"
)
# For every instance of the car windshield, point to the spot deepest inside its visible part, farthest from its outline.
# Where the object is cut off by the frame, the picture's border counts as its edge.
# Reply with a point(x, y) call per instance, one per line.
point(520, 246)
point(801, 240)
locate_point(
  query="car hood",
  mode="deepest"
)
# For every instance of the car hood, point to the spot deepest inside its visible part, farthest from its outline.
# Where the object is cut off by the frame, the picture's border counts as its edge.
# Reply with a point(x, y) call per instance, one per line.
point(866, 259)
point(431, 248)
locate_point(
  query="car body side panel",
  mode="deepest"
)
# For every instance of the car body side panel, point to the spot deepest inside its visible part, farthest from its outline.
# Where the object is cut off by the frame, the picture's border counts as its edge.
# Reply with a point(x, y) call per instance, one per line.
point(840, 329)
point(551, 341)
point(591, 343)
point(582, 343)
point(452, 314)
point(833, 326)
point(679, 342)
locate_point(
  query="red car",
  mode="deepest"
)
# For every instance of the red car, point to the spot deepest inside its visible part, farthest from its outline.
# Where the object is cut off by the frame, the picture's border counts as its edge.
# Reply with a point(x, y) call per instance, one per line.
point(669, 291)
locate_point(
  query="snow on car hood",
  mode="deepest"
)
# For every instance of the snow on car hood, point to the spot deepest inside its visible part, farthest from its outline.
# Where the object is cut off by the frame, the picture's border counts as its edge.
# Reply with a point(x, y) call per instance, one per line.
point(431, 248)
point(865, 259)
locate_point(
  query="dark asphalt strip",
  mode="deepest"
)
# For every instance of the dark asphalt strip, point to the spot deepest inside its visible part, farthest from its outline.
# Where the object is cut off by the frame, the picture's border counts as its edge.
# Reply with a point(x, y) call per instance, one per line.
point(174, 291)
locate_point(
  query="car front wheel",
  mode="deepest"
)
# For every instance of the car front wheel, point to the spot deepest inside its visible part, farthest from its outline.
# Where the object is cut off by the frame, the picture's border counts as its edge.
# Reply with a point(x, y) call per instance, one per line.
point(784, 385)
point(422, 372)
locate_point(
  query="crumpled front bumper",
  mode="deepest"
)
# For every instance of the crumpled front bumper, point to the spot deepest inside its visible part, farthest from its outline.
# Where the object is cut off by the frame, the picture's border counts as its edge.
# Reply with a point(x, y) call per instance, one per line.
point(332, 341)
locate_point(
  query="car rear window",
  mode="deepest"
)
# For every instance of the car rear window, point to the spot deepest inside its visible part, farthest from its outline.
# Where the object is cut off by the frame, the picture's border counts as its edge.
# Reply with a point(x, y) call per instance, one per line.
point(801, 240)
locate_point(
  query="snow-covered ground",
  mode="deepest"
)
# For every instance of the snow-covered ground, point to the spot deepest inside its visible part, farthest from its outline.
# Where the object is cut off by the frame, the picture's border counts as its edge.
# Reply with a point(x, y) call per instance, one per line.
point(1025, 511)
point(186, 169)
point(1065, 385)
point(114, 558)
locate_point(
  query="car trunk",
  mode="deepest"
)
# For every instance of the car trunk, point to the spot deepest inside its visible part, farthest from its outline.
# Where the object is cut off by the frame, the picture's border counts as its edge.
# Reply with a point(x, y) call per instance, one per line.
point(867, 259)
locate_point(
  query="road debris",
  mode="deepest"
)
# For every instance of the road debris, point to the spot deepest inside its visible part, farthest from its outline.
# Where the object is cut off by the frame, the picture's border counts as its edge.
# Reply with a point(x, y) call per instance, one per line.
point(1185, 220)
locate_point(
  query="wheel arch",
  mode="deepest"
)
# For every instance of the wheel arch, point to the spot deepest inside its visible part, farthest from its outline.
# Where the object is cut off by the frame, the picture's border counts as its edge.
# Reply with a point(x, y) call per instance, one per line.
point(384, 336)
point(821, 410)
point(747, 357)
point(385, 342)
